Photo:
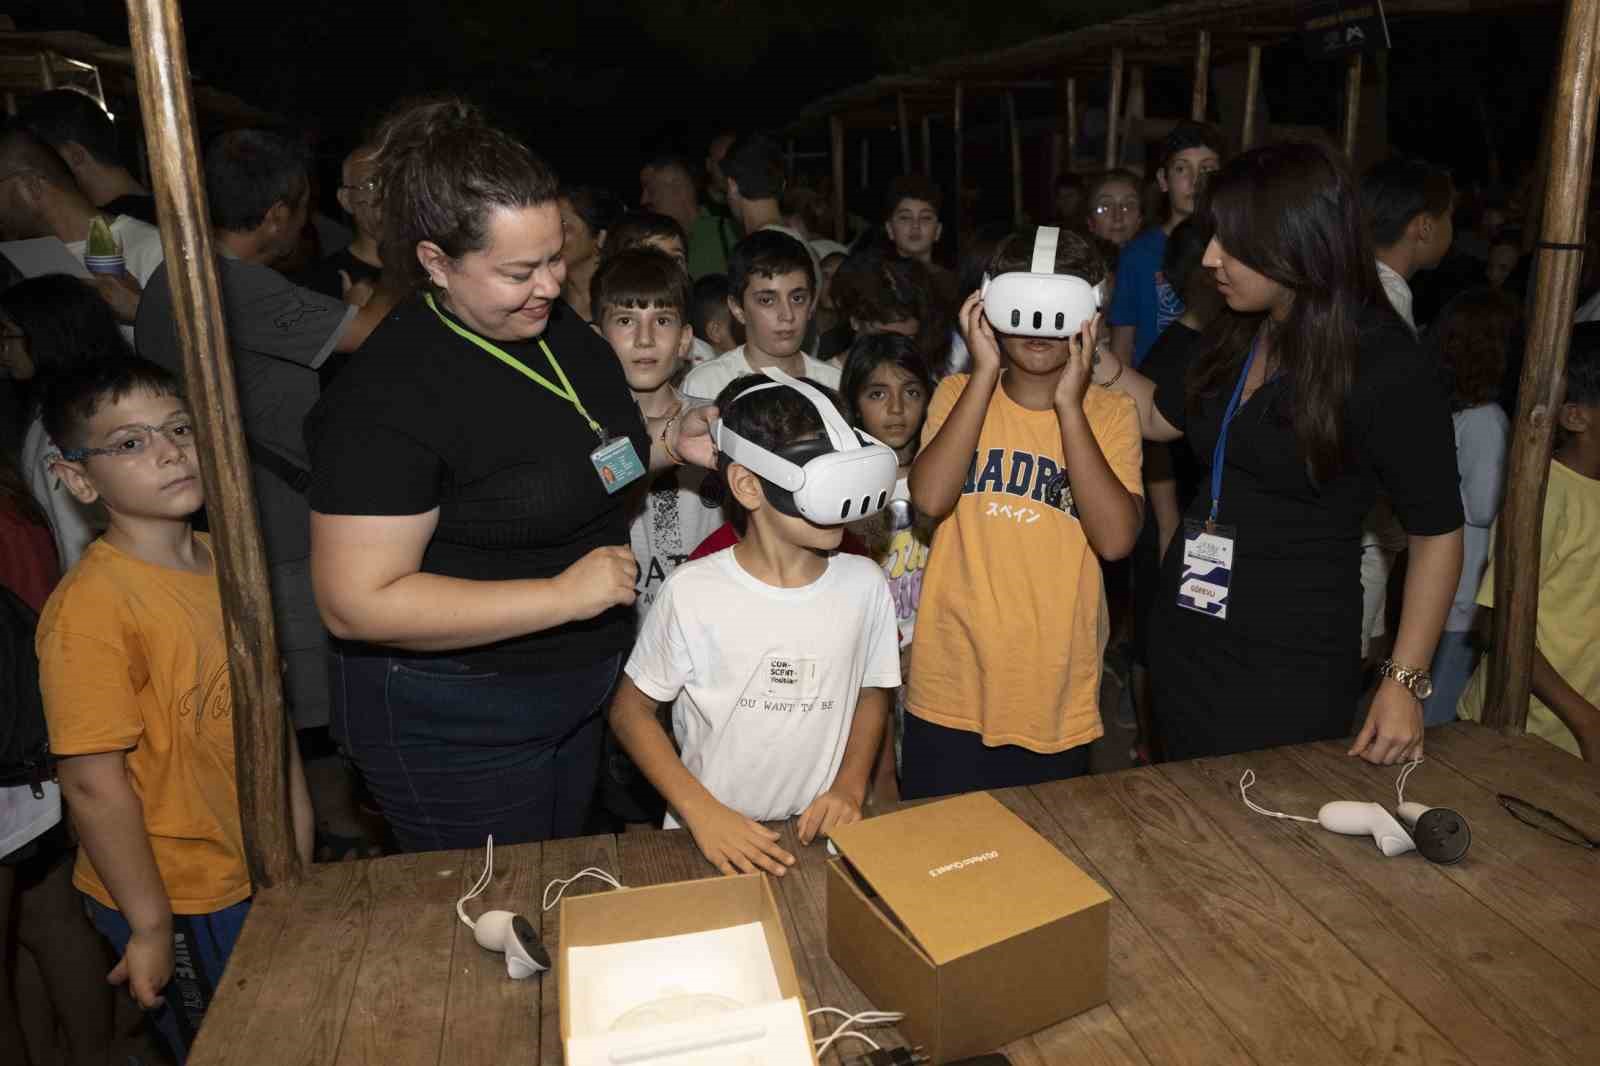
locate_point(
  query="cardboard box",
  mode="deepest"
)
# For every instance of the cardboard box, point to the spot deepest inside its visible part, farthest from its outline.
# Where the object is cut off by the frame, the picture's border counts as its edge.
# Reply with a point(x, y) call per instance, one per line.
point(629, 916)
point(968, 921)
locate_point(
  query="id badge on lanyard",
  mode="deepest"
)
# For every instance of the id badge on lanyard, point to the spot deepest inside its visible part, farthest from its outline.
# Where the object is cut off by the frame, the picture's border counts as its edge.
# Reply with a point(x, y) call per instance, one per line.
point(617, 464)
point(1208, 546)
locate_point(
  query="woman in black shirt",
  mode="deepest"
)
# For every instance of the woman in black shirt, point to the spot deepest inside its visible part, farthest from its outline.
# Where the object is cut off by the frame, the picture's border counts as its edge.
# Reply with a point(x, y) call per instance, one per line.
point(469, 538)
point(1308, 393)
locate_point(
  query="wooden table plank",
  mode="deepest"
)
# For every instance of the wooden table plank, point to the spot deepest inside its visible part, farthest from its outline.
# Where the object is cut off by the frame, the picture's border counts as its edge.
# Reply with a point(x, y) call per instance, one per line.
point(246, 976)
point(1164, 1014)
point(489, 1018)
point(299, 1013)
point(1525, 767)
point(1278, 979)
point(1447, 954)
point(1541, 886)
point(396, 1015)
point(563, 858)
point(659, 858)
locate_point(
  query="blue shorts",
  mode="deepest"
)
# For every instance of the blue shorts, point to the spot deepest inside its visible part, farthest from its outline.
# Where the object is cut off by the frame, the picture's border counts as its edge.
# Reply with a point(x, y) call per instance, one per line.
point(201, 944)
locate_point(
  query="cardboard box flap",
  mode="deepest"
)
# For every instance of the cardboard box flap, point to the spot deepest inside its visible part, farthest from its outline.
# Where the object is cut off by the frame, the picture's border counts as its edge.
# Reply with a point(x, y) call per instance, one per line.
point(965, 873)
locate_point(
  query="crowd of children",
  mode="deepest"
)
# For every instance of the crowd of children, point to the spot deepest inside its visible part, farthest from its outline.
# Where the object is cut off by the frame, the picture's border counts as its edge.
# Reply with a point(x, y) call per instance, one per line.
point(531, 632)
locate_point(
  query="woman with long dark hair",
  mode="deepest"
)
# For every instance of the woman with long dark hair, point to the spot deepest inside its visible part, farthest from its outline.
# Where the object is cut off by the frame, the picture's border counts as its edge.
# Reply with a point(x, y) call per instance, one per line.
point(468, 544)
point(1307, 396)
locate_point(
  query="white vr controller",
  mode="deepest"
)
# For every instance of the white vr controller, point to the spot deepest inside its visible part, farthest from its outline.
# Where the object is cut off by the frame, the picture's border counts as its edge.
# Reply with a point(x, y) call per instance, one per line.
point(1041, 303)
point(1438, 834)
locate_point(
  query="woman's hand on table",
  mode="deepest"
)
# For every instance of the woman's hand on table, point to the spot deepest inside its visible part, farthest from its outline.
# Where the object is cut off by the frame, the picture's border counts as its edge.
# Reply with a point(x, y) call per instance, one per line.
point(1393, 730)
point(599, 581)
point(735, 844)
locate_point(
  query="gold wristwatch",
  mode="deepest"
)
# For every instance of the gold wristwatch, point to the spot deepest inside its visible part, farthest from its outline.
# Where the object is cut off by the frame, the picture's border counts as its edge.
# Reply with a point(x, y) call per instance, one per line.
point(1419, 682)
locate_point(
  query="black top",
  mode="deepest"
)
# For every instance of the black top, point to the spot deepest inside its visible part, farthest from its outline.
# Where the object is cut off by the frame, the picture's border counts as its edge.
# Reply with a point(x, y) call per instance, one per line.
point(133, 205)
point(1296, 575)
point(423, 418)
point(323, 275)
point(1168, 360)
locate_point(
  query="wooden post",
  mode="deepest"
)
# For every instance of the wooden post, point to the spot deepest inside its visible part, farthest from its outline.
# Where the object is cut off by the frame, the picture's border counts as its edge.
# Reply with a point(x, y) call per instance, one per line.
point(788, 158)
point(1072, 124)
point(162, 68)
point(1015, 133)
point(866, 160)
point(959, 213)
point(1352, 105)
point(1202, 76)
point(927, 146)
point(1566, 196)
point(1114, 108)
point(1252, 97)
point(836, 149)
point(905, 133)
point(1133, 111)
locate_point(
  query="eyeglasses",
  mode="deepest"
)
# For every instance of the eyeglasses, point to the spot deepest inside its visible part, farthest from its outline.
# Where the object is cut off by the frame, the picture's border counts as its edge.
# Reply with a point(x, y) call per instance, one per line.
point(366, 188)
point(1546, 822)
point(134, 440)
point(1120, 210)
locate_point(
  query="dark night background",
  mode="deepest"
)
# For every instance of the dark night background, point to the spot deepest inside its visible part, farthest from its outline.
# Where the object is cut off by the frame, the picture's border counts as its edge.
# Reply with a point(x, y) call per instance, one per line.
point(595, 87)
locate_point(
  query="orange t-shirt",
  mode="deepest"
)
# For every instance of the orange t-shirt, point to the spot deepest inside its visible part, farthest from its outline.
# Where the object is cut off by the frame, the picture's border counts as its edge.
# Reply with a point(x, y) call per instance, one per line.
point(132, 658)
point(1012, 625)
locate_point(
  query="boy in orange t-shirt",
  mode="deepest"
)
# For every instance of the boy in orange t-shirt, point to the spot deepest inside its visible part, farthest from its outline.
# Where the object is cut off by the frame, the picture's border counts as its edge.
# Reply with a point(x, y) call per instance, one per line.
point(133, 668)
point(1034, 477)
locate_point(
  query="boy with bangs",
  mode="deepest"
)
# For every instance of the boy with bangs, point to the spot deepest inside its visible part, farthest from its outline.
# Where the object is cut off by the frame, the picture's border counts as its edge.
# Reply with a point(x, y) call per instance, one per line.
point(641, 302)
point(1034, 478)
point(133, 670)
point(772, 287)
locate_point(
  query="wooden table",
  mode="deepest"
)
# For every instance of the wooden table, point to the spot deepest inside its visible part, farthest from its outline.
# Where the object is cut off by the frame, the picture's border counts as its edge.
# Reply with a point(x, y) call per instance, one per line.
point(1234, 938)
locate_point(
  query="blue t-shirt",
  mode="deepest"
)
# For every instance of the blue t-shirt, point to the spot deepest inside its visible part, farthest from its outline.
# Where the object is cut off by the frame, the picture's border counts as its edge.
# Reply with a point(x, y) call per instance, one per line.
point(1144, 298)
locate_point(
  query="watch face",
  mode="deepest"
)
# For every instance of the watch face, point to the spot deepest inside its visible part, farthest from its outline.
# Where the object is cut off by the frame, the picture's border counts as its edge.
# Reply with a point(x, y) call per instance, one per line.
point(1424, 688)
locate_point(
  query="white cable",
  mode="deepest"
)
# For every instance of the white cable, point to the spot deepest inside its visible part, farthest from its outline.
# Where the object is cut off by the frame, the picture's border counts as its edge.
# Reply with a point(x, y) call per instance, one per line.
point(866, 1017)
point(482, 883)
point(1247, 779)
point(842, 1034)
point(566, 883)
point(1400, 783)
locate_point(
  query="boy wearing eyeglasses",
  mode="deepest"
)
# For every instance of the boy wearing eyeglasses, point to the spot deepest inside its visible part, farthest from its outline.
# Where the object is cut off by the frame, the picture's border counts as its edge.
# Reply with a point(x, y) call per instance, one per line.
point(133, 669)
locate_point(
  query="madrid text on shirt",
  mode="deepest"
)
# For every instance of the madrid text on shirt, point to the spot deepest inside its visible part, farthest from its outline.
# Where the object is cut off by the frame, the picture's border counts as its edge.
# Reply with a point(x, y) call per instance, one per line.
point(1021, 474)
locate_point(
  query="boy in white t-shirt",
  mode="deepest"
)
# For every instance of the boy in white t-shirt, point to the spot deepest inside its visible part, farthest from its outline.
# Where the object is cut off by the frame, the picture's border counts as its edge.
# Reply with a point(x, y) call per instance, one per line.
point(780, 657)
point(640, 301)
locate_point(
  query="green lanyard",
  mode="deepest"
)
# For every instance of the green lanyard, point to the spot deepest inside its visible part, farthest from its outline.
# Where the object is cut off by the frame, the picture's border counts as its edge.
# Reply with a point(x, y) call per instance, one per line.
point(566, 391)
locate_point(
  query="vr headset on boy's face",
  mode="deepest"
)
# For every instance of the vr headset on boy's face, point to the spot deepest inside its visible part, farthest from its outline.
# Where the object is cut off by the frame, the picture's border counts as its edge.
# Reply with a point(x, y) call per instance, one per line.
point(843, 476)
point(1040, 303)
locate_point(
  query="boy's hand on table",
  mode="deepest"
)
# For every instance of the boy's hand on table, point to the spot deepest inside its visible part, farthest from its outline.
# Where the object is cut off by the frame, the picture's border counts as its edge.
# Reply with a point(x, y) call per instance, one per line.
point(832, 808)
point(735, 844)
point(145, 967)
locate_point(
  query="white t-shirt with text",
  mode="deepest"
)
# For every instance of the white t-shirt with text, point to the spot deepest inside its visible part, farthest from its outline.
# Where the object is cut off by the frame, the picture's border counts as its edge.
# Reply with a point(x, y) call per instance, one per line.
point(764, 680)
point(708, 379)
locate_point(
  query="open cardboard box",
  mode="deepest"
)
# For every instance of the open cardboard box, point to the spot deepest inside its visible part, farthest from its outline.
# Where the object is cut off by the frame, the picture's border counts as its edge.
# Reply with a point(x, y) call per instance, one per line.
point(961, 916)
point(595, 995)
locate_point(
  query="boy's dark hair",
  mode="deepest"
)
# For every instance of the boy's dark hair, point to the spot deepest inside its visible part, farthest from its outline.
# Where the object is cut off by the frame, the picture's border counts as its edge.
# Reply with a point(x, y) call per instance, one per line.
point(1191, 134)
point(637, 229)
point(869, 352)
point(1186, 246)
point(771, 418)
point(68, 116)
point(1470, 341)
point(912, 187)
point(1399, 189)
point(248, 171)
point(679, 162)
point(1583, 373)
point(709, 303)
point(596, 206)
point(1075, 255)
point(639, 277)
point(66, 322)
point(72, 398)
point(767, 253)
point(756, 164)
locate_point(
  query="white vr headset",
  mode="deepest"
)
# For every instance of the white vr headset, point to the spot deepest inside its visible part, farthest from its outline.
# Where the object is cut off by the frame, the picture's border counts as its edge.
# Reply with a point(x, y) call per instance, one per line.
point(1040, 303)
point(842, 476)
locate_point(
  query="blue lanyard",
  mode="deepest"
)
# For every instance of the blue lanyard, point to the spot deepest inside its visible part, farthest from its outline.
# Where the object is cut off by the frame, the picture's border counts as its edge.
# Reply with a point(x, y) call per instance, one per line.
point(1221, 451)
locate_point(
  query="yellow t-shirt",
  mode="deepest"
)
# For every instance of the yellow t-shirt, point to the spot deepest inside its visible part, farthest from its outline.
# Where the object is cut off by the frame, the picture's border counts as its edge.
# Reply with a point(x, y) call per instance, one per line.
point(1568, 626)
point(1012, 624)
point(132, 658)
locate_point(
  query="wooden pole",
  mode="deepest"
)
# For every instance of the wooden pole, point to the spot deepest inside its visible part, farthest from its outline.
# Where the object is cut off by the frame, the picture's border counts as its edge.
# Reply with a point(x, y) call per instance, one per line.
point(47, 72)
point(927, 145)
point(1566, 197)
point(866, 160)
point(1114, 108)
point(1202, 76)
point(1072, 124)
point(1015, 136)
point(1352, 105)
point(905, 133)
point(162, 69)
point(960, 193)
point(1133, 110)
point(836, 149)
point(1252, 98)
